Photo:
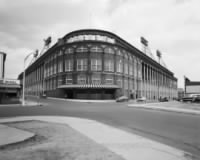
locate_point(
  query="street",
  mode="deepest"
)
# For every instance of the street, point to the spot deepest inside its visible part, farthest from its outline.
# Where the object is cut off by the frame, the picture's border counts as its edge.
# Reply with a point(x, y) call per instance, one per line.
point(178, 130)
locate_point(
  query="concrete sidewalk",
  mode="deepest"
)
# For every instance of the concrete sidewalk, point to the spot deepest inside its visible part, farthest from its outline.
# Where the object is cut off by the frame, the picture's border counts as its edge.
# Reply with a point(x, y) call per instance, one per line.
point(27, 103)
point(154, 106)
point(129, 146)
point(10, 135)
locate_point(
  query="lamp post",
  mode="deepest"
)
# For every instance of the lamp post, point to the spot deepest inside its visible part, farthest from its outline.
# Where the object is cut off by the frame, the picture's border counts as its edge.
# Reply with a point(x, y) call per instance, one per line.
point(23, 94)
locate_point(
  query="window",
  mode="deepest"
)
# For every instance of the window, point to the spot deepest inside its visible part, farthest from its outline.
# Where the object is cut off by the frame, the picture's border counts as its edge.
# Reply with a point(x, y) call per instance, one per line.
point(119, 66)
point(96, 64)
point(81, 64)
point(68, 64)
point(130, 84)
point(60, 66)
point(51, 84)
point(96, 49)
point(119, 52)
point(139, 70)
point(109, 65)
point(109, 80)
point(69, 51)
point(135, 68)
point(82, 49)
point(130, 69)
point(54, 83)
point(125, 55)
point(68, 79)
point(96, 79)
point(126, 68)
point(51, 69)
point(55, 68)
point(126, 83)
point(60, 53)
point(59, 81)
point(81, 79)
point(109, 51)
point(119, 82)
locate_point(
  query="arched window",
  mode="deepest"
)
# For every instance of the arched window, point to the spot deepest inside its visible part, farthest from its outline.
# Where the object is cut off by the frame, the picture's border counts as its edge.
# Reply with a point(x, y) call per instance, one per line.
point(109, 50)
point(119, 52)
point(81, 49)
point(96, 49)
point(125, 55)
point(119, 65)
point(69, 50)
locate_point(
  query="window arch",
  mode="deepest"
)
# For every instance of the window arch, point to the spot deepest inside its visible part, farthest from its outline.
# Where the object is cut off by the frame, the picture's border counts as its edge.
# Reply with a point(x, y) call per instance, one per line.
point(109, 50)
point(81, 49)
point(96, 49)
point(69, 50)
point(119, 52)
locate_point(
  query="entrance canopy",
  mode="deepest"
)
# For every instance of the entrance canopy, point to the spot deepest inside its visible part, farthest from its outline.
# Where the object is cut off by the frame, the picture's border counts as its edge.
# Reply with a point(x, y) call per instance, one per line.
point(95, 86)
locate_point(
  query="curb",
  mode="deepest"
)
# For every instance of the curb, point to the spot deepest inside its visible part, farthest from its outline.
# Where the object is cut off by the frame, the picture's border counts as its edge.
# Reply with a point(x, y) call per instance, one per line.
point(83, 100)
point(192, 112)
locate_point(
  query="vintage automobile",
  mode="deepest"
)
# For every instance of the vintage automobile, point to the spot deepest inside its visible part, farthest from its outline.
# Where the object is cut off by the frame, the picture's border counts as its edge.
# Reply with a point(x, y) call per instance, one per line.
point(122, 99)
point(165, 99)
point(142, 99)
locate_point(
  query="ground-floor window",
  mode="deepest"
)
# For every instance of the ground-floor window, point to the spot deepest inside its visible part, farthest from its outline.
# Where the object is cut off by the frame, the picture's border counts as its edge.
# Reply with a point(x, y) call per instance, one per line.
point(96, 79)
point(81, 79)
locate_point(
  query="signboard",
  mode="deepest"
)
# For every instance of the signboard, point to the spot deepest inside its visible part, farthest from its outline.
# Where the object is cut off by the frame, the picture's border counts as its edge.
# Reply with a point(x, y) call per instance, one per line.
point(193, 89)
point(90, 37)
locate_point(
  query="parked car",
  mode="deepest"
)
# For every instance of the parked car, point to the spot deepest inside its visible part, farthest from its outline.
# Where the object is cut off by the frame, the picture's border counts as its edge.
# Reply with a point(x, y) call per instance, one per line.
point(43, 96)
point(122, 99)
point(165, 99)
point(187, 99)
point(142, 99)
point(196, 98)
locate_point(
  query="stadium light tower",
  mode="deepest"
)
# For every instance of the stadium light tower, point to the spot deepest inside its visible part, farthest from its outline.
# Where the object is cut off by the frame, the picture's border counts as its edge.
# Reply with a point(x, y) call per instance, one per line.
point(144, 44)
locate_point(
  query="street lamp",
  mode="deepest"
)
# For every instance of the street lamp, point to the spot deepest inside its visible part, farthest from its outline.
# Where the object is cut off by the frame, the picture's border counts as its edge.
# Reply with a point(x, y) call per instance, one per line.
point(23, 94)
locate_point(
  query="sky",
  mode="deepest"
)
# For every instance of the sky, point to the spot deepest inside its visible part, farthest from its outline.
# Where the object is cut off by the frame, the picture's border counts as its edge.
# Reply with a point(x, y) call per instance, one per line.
point(171, 26)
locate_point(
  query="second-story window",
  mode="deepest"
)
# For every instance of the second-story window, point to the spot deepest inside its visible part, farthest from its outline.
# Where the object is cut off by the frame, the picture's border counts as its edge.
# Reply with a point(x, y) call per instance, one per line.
point(68, 64)
point(81, 64)
point(60, 66)
point(119, 66)
point(54, 68)
point(130, 69)
point(109, 65)
point(126, 67)
point(96, 64)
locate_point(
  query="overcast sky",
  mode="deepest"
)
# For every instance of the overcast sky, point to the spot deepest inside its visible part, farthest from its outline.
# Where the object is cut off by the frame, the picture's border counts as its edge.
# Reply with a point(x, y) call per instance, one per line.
point(172, 26)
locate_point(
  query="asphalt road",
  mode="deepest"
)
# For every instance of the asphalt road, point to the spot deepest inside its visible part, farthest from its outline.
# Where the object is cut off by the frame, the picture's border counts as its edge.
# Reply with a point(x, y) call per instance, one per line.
point(175, 129)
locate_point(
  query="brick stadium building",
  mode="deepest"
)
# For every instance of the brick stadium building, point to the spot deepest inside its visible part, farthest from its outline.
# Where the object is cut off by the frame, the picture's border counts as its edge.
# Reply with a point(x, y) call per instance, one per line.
point(96, 64)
